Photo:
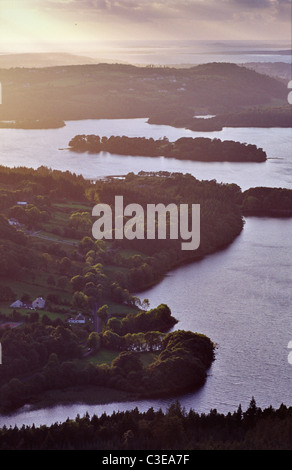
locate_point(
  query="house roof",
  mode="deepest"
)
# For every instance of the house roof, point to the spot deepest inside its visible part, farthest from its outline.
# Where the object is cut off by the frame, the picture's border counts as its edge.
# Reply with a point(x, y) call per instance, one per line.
point(17, 303)
point(80, 316)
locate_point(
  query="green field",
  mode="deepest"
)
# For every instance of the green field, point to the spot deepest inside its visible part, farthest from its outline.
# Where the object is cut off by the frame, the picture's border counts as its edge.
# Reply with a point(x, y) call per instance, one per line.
point(106, 356)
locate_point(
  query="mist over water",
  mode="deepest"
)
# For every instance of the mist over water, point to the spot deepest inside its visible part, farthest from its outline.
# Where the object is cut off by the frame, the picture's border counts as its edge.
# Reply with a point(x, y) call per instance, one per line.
point(172, 52)
point(193, 51)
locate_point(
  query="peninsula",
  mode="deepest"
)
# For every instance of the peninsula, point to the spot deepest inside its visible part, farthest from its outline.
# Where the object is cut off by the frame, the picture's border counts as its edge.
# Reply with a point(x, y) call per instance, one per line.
point(88, 337)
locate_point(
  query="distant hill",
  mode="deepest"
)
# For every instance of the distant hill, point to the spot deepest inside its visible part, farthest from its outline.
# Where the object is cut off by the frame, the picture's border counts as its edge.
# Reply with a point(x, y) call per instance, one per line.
point(96, 91)
point(280, 70)
point(32, 60)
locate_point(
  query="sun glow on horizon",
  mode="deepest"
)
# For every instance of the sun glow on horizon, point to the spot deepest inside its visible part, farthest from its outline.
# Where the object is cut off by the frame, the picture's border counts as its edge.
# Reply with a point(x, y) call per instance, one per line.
point(48, 25)
point(30, 29)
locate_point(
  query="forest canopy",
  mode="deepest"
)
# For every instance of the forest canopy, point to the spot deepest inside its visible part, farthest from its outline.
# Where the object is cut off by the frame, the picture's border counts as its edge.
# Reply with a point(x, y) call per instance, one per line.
point(122, 344)
point(174, 429)
point(109, 91)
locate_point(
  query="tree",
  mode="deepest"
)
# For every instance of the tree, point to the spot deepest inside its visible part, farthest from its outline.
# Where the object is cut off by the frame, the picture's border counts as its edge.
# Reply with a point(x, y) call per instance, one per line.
point(94, 295)
point(114, 324)
point(145, 304)
point(128, 361)
point(78, 283)
point(12, 393)
point(80, 300)
point(94, 341)
point(252, 203)
point(81, 221)
point(251, 413)
point(153, 340)
point(86, 243)
point(102, 312)
point(111, 340)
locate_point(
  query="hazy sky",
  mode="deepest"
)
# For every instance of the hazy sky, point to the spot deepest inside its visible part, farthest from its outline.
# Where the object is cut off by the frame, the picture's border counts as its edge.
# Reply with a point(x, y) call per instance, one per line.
point(42, 25)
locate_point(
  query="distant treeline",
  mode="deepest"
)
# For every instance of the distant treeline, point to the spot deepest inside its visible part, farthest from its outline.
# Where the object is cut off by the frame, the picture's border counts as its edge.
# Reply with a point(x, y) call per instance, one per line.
point(32, 124)
point(263, 117)
point(43, 181)
point(185, 148)
point(174, 429)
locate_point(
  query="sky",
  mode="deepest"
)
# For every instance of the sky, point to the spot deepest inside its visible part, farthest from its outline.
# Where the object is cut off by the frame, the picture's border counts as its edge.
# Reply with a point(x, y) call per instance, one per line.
point(54, 25)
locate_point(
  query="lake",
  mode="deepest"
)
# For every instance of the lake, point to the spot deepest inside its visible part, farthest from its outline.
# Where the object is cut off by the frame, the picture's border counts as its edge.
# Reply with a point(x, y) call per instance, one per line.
point(34, 148)
point(239, 297)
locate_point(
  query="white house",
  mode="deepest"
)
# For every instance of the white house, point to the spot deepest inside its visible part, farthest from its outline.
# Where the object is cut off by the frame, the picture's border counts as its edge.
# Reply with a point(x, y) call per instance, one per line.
point(39, 303)
point(78, 319)
point(13, 222)
point(17, 304)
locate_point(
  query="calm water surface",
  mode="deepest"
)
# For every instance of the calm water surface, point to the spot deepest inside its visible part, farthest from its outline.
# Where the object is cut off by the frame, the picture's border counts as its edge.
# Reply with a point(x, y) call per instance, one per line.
point(240, 297)
point(34, 148)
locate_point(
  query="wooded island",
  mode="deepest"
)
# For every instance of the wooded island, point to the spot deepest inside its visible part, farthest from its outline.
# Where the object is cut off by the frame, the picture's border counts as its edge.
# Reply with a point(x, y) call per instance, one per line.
point(185, 148)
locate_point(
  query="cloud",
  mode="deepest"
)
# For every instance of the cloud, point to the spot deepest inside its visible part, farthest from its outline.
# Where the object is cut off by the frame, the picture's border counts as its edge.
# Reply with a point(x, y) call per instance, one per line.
point(283, 10)
point(153, 10)
point(247, 4)
point(154, 19)
point(178, 19)
point(194, 11)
